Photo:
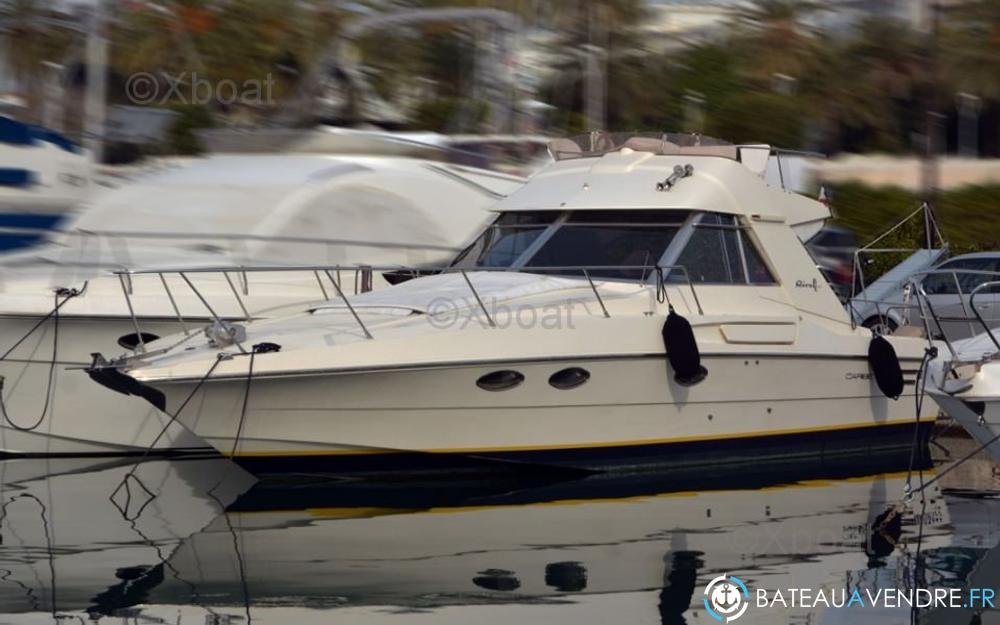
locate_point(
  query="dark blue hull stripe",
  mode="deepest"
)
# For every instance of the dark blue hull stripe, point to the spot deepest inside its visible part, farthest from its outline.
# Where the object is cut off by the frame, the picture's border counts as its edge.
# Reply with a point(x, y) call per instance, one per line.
point(737, 453)
point(30, 221)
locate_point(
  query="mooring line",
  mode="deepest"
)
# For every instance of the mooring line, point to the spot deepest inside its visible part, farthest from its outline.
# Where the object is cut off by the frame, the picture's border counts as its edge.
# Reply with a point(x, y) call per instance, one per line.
point(66, 294)
point(131, 472)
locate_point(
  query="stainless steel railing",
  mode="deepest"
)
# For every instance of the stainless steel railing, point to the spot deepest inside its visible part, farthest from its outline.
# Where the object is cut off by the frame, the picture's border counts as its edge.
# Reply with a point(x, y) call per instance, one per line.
point(934, 243)
point(987, 281)
point(362, 276)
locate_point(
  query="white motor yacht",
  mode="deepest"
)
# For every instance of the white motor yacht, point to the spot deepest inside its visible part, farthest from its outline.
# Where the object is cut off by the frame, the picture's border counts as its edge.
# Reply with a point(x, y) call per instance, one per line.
point(640, 302)
point(224, 211)
point(964, 375)
point(43, 177)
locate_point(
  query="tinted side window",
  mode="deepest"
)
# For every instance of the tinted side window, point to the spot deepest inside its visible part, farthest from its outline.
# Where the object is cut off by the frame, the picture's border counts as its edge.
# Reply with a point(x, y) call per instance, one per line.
point(757, 269)
point(711, 256)
point(719, 252)
point(504, 241)
point(604, 248)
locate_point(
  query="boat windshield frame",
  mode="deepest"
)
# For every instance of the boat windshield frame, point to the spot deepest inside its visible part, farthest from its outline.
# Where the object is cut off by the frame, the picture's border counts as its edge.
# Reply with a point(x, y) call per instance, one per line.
point(599, 143)
point(688, 223)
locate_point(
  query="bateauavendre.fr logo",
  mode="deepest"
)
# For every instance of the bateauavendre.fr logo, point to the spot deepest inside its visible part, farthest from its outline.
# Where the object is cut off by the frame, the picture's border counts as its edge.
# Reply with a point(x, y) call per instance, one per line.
point(726, 598)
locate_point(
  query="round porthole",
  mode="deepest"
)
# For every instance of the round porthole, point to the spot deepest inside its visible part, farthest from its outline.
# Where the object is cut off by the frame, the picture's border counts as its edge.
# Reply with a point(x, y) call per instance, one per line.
point(569, 378)
point(131, 341)
point(500, 380)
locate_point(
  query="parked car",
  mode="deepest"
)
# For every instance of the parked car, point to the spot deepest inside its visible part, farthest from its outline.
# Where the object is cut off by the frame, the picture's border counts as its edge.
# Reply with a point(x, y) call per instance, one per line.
point(832, 248)
point(947, 293)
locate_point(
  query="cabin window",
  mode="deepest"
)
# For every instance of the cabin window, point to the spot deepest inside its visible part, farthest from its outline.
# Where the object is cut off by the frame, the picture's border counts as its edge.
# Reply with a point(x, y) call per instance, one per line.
point(757, 271)
point(622, 244)
point(720, 251)
point(617, 244)
point(610, 250)
point(507, 239)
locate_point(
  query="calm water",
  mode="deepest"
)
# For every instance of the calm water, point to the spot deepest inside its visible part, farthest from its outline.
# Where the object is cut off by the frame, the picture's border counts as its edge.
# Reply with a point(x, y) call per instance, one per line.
point(197, 542)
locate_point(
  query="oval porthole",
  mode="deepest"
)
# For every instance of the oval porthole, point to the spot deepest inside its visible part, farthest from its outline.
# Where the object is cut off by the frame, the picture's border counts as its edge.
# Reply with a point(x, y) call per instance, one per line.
point(131, 341)
point(569, 378)
point(500, 380)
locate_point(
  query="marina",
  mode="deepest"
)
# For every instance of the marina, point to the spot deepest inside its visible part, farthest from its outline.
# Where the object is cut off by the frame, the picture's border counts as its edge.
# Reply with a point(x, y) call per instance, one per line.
point(619, 311)
point(347, 387)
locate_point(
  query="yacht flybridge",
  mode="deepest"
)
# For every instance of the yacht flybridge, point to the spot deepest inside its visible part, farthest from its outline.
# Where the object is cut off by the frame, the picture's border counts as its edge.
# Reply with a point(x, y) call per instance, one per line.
point(642, 301)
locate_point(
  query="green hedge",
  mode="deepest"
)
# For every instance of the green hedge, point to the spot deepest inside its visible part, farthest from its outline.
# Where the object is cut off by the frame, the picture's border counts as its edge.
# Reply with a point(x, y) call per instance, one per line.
point(969, 217)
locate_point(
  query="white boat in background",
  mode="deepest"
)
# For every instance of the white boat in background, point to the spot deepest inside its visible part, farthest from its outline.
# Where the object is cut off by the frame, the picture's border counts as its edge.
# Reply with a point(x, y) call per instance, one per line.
point(224, 211)
point(43, 177)
point(514, 154)
point(964, 380)
point(563, 337)
point(963, 374)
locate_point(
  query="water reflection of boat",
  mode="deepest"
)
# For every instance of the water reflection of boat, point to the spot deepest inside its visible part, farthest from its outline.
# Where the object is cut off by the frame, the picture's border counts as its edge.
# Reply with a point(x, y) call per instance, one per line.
point(601, 539)
point(69, 545)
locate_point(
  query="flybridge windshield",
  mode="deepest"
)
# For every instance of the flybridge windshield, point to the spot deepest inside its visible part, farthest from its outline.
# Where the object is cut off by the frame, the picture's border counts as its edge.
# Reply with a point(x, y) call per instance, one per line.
point(603, 240)
point(599, 143)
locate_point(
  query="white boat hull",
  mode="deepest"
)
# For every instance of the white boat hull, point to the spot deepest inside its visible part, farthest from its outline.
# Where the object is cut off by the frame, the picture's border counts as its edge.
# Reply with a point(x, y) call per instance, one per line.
point(630, 413)
point(976, 407)
point(82, 418)
point(984, 429)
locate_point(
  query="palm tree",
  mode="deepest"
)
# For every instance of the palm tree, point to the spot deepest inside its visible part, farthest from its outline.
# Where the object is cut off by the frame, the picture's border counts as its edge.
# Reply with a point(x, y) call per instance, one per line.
point(867, 86)
point(970, 47)
point(157, 37)
point(251, 40)
point(601, 37)
point(776, 39)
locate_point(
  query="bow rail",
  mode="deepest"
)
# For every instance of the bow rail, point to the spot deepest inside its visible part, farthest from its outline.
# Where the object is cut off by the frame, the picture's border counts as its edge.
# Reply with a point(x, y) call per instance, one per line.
point(363, 277)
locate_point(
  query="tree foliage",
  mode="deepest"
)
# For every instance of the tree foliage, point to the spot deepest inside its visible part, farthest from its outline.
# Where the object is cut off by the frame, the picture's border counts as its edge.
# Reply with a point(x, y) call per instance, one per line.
point(770, 74)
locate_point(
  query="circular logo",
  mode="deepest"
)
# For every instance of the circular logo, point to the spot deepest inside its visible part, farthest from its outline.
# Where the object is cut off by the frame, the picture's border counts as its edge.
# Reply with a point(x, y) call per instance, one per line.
point(141, 88)
point(726, 598)
point(442, 313)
